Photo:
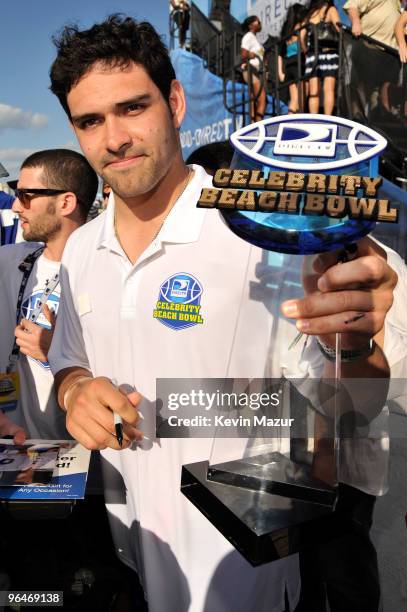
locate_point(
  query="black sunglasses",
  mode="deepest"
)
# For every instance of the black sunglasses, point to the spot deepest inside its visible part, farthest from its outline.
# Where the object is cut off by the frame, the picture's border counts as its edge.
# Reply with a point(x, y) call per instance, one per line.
point(25, 195)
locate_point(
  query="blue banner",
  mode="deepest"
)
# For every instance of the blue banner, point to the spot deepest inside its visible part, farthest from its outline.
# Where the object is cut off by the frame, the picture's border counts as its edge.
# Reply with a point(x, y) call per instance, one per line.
point(207, 119)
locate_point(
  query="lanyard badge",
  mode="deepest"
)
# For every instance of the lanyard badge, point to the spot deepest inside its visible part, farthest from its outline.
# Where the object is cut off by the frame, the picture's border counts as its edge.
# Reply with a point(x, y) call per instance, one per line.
point(9, 380)
point(9, 391)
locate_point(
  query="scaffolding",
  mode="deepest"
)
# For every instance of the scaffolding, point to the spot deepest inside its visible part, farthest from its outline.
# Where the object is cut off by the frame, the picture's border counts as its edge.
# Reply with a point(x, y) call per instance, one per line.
point(356, 97)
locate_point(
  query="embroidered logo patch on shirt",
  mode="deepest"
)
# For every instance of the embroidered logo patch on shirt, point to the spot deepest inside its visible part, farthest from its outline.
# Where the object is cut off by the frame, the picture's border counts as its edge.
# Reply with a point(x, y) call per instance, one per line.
point(179, 302)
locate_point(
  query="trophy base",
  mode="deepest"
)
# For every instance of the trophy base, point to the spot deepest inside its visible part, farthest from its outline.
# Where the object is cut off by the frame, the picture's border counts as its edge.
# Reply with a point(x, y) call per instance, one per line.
point(262, 526)
point(275, 473)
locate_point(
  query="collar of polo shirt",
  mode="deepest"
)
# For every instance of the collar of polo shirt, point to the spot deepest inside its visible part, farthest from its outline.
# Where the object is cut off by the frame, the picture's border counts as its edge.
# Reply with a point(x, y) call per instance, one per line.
point(183, 224)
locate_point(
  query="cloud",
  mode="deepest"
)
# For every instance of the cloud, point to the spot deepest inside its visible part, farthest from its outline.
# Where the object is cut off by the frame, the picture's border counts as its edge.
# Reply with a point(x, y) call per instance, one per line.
point(15, 154)
point(71, 144)
point(16, 118)
point(12, 158)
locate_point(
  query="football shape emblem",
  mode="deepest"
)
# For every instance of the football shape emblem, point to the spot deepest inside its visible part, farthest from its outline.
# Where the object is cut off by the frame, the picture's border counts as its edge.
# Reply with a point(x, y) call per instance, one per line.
point(326, 143)
point(279, 151)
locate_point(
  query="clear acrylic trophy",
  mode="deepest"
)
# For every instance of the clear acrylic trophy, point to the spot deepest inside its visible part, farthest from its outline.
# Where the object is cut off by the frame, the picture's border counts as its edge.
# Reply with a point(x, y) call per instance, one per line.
point(268, 488)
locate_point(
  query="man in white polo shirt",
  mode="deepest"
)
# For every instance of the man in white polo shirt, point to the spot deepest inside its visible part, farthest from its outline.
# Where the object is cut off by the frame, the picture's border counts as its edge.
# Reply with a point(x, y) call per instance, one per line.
point(55, 191)
point(121, 271)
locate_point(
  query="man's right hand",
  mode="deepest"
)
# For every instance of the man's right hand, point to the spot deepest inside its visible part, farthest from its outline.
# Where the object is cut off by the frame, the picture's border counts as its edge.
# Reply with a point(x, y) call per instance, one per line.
point(355, 21)
point(90, 403)
point(403, 53)
point(356, 29)
point(8, 428)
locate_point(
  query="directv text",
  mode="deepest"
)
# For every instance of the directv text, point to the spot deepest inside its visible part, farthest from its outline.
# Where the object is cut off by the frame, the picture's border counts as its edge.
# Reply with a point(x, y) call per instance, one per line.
point(213, 132)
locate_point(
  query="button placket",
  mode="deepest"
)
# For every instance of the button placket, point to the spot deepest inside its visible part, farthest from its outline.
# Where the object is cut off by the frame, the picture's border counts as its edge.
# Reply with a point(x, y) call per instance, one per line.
point(131, 281)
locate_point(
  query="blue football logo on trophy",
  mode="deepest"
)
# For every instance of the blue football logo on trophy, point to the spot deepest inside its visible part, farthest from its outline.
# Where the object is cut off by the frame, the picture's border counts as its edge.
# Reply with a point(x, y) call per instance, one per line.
point(279, 142)
point(302, 184)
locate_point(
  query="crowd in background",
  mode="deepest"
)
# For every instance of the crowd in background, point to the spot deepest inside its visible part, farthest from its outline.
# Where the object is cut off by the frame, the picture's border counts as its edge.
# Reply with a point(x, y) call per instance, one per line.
point(53, 201)
point(308, 54)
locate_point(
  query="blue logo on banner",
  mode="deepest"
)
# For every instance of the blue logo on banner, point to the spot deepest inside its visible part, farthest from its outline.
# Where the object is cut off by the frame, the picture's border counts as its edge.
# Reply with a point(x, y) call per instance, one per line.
point(179, 302)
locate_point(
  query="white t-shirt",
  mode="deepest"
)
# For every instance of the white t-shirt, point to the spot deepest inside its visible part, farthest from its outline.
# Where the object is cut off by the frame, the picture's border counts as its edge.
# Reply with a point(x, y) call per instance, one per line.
point(37, 410)
point(250, 43)
point(108, 325)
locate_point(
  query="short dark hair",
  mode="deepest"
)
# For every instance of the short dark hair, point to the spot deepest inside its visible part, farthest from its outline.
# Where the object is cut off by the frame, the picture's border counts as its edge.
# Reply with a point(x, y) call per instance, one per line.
point(117, 41)
point(248, 21)
point(66, 169)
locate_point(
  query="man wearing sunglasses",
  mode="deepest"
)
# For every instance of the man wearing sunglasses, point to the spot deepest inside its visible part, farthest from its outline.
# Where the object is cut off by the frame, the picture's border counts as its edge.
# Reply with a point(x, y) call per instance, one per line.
point(54, 193)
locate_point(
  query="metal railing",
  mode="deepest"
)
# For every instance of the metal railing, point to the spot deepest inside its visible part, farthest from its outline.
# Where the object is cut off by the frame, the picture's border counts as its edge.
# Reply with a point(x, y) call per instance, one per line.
point(372, 89)
point(174, 30)
point(237, 99)
point(206, 41)
point(221, 52)
point(390, 121)
point(238, 94)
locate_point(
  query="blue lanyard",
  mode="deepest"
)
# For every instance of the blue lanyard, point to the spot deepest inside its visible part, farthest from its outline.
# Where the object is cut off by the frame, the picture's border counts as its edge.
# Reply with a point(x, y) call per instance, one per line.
point(26, 267)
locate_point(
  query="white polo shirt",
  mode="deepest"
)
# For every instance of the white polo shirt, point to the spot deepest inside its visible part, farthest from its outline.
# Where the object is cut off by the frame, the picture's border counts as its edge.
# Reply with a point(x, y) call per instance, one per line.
point(109, 323)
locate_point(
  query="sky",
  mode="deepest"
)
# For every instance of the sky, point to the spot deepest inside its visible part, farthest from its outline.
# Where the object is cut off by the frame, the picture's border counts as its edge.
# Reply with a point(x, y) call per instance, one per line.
point(31, 118)
point(238, 8)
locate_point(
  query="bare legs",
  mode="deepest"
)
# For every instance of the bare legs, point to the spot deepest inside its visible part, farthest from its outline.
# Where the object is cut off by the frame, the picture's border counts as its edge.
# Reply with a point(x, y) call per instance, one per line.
point(329, 94)
point(298, 95)
point(257, 97)
point(293, 105)
point(313, 95)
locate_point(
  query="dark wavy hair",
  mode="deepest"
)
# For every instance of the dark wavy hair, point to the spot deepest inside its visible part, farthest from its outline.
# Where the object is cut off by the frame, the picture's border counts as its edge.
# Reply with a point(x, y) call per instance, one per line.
point(295, 15)
point(67, 170)
point(249, 20)
point(316, 5)
point(117, 41)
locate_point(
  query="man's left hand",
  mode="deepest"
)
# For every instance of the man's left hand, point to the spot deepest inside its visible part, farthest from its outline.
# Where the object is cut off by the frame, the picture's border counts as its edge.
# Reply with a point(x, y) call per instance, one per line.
point(34, 340)
point(352, 298)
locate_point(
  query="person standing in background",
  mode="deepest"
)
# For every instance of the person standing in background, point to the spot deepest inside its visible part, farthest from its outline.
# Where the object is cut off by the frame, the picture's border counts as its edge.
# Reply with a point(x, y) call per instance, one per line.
point(400, 33)
point(288, 55)
point(253, 53)
point(373, 70)
point(181, 15)
point(321, 69)
point(9, 226)
point(54, 193)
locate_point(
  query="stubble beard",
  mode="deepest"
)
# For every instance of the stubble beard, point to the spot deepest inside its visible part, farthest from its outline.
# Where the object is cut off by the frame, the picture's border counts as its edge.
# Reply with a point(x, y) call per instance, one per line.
point(139, 181)
point(44, 228)
point(132, 184)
